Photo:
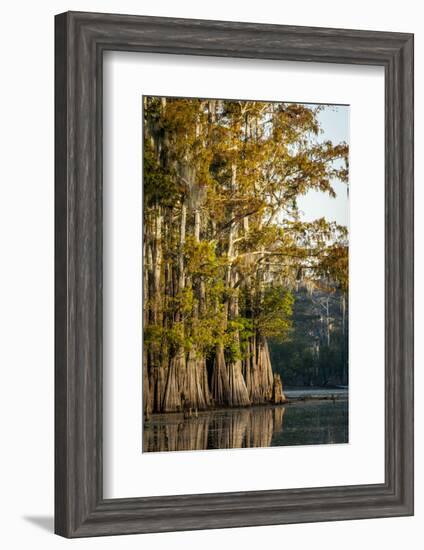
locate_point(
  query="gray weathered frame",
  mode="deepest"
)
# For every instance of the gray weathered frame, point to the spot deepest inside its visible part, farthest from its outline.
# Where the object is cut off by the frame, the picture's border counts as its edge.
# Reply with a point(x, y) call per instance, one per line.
point(80, 40)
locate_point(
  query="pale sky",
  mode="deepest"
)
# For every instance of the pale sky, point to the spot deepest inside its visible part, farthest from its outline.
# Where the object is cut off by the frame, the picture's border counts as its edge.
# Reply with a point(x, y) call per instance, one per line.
point(334, 121)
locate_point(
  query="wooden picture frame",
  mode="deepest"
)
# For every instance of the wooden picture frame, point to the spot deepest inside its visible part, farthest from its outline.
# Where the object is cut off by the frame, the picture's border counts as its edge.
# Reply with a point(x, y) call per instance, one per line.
point(81, 39)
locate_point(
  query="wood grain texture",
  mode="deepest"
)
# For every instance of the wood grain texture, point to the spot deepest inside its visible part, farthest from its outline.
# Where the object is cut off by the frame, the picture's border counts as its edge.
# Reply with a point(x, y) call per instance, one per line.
point(80, 509)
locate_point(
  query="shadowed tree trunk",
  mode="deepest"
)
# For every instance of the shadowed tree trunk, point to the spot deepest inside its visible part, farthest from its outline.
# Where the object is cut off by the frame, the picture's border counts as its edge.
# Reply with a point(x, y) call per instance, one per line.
point(252, 379)
point(147, 397)
point(147, 401)
point(221, 393)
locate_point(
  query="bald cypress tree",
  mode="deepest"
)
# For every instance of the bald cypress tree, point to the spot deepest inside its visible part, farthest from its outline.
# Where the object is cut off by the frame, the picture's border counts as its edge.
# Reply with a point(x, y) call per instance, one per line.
point(224, 245)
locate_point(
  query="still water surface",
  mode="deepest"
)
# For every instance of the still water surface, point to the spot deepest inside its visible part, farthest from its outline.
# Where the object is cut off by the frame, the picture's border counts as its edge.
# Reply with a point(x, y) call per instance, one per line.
point(299, 423)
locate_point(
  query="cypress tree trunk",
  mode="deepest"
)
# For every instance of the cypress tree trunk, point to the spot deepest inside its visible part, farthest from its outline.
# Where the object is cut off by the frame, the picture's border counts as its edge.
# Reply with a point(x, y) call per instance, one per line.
point(250, 370)
point(265, 375)
point(172, 397)
point(239, 396)
point(220, 388)
point(147, 401)
point(177, 365)
point(153, 308)
point(254, 386)
point(221, 393)
point(196, 387)
point(277, 390)
point(147, 397)
point(204, 383)
point(193, 391)
point(238, 390)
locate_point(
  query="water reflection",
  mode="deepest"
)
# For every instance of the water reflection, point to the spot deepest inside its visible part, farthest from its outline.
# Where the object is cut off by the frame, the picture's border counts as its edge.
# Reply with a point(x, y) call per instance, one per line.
point(314, 422)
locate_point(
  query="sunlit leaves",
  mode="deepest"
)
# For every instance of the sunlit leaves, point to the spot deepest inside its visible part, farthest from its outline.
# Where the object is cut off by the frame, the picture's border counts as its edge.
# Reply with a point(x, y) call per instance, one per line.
point(223, 178)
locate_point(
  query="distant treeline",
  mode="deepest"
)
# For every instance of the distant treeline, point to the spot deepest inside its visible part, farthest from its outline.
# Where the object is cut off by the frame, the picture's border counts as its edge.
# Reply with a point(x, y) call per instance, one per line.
point(317, 352)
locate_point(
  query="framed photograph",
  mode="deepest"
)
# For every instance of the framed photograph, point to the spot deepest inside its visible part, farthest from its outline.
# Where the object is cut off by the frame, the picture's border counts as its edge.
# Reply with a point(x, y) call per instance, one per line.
point(234, 274)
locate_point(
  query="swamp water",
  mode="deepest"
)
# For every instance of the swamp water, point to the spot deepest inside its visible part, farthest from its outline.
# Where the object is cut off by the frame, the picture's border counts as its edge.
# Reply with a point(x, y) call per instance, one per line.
point(310, 422)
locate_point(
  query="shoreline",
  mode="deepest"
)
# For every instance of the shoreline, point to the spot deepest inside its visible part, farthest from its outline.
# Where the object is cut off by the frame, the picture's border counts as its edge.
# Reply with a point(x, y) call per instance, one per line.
point(288, 402)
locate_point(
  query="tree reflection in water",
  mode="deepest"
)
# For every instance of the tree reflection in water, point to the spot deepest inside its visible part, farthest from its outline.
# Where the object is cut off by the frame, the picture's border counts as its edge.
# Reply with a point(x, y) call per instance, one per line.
point(224, 429)
point(299, 424)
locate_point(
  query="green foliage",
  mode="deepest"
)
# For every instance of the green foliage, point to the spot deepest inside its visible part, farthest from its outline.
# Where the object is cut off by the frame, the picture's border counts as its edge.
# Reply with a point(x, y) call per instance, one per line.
point(153, 334)
point(236, 338)
point(201, 259)
point(273, 318)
